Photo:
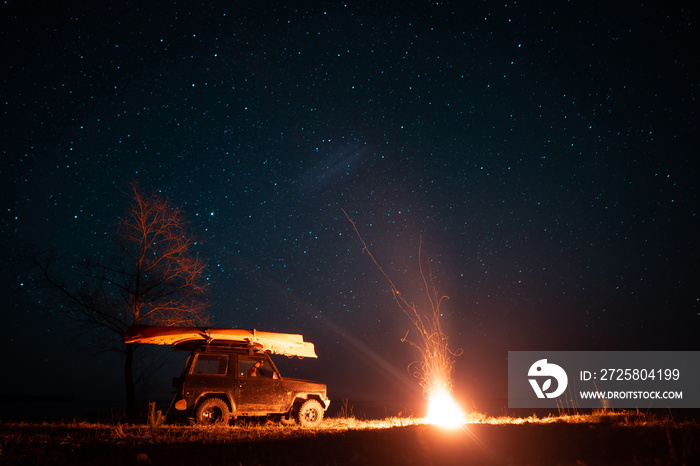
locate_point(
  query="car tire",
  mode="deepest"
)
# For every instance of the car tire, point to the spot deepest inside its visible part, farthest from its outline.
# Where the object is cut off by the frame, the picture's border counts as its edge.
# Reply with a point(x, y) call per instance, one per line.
point(310, 414)
point(212, 411)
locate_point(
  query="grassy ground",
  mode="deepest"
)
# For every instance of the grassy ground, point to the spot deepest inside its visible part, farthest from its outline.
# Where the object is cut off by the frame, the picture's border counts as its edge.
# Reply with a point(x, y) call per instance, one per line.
point(599, 438)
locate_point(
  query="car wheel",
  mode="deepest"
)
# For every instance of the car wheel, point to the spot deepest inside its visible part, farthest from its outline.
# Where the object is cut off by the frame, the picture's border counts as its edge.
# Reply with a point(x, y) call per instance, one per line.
point(310, 414)
point(213, 411)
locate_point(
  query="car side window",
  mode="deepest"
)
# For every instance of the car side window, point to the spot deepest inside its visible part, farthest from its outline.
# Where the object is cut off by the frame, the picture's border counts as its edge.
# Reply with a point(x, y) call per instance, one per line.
point(254, 367)
point(210, 364)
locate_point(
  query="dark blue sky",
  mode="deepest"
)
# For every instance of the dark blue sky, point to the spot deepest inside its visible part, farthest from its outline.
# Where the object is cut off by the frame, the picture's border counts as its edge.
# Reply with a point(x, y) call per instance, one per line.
point(544, 153)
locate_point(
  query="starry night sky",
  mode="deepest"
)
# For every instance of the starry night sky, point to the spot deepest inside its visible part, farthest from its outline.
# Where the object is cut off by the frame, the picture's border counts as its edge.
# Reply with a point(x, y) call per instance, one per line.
point(545, 154)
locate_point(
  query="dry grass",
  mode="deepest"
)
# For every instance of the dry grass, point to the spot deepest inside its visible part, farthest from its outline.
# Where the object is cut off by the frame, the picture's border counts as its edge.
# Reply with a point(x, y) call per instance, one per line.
point(64, 433)
point(77, 433)
point(618, 418)
point(87, 432)
point(342, 440)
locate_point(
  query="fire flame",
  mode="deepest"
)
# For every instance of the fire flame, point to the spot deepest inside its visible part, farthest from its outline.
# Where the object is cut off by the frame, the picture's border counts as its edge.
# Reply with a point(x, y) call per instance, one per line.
point(434, 370)
point(443, 410)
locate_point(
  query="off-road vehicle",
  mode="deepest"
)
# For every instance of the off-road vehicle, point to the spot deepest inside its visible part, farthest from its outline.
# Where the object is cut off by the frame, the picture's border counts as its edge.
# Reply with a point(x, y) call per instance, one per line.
point(229, 374)
point(219, 383)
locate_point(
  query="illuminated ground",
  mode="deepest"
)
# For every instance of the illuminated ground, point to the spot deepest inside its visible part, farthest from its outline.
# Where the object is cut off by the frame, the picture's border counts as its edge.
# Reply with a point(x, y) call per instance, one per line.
point(618, 438)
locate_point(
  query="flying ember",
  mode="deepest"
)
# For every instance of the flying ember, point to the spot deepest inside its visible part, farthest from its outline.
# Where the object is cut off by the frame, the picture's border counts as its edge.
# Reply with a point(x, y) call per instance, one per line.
point(434, 369)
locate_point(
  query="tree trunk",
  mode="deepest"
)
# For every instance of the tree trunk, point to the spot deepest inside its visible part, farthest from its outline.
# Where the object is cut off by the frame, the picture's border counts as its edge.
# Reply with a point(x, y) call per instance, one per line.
point(131, 408)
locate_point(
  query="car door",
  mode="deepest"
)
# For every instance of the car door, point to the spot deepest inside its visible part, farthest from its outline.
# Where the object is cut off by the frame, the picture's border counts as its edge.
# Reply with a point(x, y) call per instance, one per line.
point(260, 389)
point(207, 373)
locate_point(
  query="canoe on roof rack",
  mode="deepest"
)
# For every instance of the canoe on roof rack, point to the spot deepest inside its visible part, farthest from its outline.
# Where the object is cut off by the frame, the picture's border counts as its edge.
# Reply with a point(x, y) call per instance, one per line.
point(288, 344)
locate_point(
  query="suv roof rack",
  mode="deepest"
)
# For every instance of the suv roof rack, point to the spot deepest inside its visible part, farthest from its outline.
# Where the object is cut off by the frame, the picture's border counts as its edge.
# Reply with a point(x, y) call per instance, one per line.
point(218, 344)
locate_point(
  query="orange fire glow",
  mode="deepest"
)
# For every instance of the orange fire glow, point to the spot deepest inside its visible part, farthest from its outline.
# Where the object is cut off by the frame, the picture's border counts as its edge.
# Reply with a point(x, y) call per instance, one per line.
point(443, 410)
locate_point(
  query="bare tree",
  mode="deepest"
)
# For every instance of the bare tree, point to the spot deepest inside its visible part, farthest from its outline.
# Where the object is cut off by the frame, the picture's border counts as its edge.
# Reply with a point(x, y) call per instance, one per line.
point(152, 277)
